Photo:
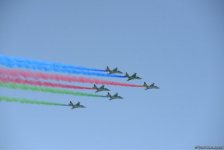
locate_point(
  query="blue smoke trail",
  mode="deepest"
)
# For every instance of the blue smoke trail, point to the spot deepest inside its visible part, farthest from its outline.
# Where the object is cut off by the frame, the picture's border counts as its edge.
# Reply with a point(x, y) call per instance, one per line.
point(44, 63)
point(36, 65)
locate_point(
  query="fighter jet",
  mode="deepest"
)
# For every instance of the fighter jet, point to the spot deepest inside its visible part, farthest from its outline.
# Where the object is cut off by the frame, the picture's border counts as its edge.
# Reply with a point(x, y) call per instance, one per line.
point(77, 105)
point(132, 77)
point(113, 71)
point(99, 89)
point(151, 86)
point(115, 96)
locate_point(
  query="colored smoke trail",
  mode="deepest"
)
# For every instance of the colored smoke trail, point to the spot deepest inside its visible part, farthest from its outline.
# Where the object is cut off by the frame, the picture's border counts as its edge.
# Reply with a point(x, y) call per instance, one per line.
point(44, 63)
point(28, 101)
point(45, 89)
point(40, 83)
point(16, 63)
point(45, 76)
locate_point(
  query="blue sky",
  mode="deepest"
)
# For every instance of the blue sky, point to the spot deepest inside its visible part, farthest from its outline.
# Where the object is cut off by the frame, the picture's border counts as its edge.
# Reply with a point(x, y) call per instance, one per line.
point(176, 44)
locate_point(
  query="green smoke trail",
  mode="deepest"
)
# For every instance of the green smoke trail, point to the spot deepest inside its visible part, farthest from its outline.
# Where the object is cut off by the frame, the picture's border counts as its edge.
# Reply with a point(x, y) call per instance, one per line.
point(27, 101)
point(45, 89)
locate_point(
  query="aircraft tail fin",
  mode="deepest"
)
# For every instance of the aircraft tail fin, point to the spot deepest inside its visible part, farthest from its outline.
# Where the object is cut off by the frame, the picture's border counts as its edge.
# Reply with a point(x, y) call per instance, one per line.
point(108, 94)
point(94, 86)
point(126, 74)
point(70, 103)
point(145, 84)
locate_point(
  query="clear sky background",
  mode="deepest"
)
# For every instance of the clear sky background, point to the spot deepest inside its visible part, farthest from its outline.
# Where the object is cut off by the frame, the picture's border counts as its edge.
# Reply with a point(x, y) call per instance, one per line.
point(178, 44)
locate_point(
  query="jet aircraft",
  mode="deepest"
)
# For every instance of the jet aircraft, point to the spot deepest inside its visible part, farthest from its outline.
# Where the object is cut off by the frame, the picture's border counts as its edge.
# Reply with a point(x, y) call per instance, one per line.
point(115, 96)
point(99, 89)
point(112, 71)
point(151, 86)
point(77, 105)
point(132, 77)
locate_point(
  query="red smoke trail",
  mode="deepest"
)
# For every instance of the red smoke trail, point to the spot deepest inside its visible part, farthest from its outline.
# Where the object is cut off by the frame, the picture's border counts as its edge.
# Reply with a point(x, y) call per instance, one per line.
point(57, 77)
point(39, 83)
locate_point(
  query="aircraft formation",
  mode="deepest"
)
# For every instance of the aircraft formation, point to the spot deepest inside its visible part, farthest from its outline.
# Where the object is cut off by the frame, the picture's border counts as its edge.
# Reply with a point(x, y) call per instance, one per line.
point(43, 76)
point(115, 96)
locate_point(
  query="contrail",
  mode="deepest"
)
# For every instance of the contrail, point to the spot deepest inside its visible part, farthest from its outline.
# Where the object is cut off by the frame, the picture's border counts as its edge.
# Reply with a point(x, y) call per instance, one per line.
point(12, 62)
point(45, 89)
point(15, 79)
point(57, 77)
point(28, 101)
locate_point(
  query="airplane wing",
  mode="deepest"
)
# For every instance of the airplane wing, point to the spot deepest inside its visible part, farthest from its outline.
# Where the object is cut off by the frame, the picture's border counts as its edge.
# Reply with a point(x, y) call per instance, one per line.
point(156, 87)
point(129, 79)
